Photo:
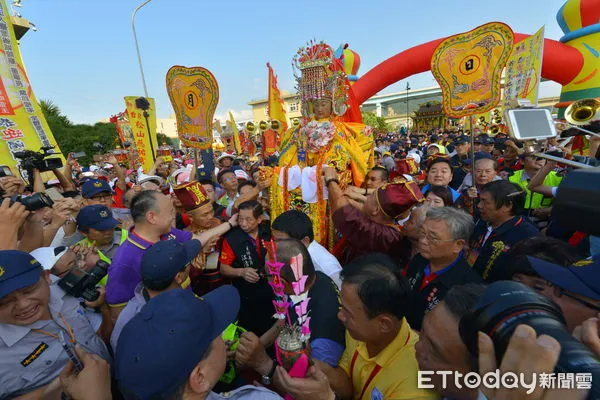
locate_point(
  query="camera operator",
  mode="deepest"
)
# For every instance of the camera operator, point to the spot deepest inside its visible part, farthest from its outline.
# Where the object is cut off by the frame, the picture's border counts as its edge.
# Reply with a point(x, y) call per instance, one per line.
point(526, 353)
point(32, 314)
point(61, 223)
point(13, 217)
point(576, 288)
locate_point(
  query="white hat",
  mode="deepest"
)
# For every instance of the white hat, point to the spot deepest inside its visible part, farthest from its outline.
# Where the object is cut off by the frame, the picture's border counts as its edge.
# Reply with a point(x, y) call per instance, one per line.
point(48, 256)
point(142, 178)
point(94, 168)
point(226, 155)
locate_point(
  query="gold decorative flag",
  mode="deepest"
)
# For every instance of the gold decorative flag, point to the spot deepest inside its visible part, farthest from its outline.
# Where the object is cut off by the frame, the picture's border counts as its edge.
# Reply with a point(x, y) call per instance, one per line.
point(194, 94)
point(275, 108)
point(524, 70)
point(468, 67)
point(236, 135)
point(140, 129)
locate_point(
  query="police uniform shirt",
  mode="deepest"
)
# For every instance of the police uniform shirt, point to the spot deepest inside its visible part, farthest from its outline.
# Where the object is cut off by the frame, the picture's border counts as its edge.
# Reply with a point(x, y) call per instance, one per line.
point(31, 359)
point(428, 289)
point(247, 392)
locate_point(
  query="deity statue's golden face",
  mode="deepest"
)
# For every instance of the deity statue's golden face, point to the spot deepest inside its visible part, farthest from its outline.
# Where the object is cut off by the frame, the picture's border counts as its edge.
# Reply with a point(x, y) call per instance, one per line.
point(322, 108)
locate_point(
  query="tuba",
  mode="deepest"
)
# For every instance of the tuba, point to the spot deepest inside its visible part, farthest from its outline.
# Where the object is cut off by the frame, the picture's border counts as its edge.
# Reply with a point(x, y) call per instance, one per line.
point(493, 129)
point(582, 112)
point(250, 127)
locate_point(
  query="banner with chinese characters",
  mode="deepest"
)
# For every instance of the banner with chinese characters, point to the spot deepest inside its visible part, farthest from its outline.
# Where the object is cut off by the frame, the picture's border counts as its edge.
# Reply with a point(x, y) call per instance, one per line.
point(468, 67)
point(22, 123)
point(524, 70)
point(194, 94)
point(146, 150)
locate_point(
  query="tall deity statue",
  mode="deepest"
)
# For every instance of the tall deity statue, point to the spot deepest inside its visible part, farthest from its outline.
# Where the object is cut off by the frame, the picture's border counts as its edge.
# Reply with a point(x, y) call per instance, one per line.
point(326, 135)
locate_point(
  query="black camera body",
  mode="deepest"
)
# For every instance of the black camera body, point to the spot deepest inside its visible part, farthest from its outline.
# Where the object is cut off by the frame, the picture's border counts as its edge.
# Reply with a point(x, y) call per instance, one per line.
point(507, 304)
point(34, 202)
point(82, 284)
point(41, 160)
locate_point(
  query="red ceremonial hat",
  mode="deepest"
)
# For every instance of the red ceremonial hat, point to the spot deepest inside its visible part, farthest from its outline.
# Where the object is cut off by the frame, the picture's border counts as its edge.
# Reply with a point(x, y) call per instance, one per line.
point(191, 195)
point(394, 199)
point(407, 166)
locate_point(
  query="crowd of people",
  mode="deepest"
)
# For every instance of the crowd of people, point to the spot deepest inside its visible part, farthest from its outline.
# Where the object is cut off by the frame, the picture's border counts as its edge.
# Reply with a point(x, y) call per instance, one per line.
point(157, 280)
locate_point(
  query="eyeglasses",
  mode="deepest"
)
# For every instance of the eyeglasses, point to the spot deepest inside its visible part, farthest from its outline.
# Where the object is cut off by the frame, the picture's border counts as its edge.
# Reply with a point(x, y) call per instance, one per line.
point(430, 239)
point(580, 301)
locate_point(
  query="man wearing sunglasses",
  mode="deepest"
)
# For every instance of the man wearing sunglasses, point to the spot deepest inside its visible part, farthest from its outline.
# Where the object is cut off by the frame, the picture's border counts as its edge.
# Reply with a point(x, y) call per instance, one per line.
point(576, 288)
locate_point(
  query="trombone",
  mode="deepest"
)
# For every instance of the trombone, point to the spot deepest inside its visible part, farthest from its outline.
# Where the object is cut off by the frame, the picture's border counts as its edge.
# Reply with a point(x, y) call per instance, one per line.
point(581, 113)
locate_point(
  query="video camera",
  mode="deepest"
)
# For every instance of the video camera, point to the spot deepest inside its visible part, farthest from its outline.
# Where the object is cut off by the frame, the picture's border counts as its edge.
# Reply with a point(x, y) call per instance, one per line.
point(505, 305)
point(34, 202)
point(80, 283)
point(40, 160)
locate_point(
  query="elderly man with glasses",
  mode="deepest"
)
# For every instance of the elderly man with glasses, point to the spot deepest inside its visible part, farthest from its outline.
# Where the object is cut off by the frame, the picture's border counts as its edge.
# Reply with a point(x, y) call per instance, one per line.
point(440, 263)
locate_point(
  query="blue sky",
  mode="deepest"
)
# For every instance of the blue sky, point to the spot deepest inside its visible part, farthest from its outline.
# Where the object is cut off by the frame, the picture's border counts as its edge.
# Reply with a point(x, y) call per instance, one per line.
point(83, 56)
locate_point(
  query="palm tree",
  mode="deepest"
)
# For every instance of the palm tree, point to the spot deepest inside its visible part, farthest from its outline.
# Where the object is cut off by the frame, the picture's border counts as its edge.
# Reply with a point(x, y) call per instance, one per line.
point(52, 111)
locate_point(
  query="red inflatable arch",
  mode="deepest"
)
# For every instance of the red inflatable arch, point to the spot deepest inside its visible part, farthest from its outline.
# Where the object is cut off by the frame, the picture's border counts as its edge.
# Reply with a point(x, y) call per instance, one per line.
point(561, 63)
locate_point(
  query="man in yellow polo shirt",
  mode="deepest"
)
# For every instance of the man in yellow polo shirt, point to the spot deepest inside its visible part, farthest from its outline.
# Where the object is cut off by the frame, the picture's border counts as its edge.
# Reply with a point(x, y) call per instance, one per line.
point(379, 361)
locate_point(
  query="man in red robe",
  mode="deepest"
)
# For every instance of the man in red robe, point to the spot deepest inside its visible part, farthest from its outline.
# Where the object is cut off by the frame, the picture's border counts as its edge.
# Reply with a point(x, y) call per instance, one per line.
point(374, 230)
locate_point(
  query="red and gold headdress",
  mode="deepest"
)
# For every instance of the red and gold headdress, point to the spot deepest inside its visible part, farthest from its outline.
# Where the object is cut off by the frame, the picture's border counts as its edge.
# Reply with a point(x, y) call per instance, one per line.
point(321, 76)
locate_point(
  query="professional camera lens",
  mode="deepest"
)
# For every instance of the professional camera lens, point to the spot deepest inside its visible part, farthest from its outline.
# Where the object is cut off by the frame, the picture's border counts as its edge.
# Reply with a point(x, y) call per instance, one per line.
point(34, 202)
point(505, 305)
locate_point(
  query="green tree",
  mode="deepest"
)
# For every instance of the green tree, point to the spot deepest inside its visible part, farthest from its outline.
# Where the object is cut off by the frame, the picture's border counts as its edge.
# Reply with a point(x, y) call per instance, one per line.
point(378, 123)
point(162, 138)
point(78, 137)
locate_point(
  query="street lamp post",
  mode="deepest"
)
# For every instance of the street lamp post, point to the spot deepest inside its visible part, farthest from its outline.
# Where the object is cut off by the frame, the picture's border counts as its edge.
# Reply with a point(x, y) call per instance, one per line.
point(407, 117)
point(136, 44)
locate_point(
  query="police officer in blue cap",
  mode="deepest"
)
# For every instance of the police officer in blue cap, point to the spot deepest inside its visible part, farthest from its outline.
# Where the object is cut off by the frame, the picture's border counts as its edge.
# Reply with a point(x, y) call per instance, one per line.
point(98, 225)
point(173, 349)
point(32, 315)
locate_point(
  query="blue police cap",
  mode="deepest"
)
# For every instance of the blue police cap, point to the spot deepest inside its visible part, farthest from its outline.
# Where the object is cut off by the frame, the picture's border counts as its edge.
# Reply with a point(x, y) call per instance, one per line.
point(462, 140)
point(163, 343)
point(479, 155)
point(582, 278)
point(163, 260)
point(97, 217)
point(94, 187)
point(17, 271)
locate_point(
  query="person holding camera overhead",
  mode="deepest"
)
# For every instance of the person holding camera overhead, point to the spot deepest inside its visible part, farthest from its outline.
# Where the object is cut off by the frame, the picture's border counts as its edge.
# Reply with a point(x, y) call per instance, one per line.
point(32, 315)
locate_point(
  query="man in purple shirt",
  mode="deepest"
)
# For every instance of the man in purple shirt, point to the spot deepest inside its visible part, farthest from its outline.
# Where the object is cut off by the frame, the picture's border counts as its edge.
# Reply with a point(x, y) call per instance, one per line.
point(154, 216)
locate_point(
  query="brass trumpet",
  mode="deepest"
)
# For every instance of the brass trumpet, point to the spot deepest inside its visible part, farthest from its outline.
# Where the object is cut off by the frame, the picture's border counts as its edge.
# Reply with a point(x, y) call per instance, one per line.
point(583, 112)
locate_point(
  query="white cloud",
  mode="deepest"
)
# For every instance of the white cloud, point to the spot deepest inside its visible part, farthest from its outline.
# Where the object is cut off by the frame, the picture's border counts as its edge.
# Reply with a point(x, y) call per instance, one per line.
point(239, 116)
